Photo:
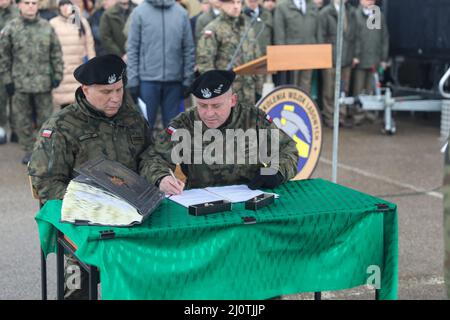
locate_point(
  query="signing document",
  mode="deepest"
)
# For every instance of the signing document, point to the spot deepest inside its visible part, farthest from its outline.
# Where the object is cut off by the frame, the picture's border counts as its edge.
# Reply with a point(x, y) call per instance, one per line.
point(235, 193)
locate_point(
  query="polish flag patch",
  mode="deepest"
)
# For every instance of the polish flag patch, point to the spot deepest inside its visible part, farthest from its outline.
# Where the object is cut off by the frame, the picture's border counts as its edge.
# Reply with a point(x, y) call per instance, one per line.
point(208, 33)
point(46, 133)
point(269, 118)
point(170, 130)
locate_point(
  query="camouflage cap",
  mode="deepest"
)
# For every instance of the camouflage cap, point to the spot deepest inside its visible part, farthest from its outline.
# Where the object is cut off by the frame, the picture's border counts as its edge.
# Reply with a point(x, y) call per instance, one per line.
point(212, 83)
point(106, 69)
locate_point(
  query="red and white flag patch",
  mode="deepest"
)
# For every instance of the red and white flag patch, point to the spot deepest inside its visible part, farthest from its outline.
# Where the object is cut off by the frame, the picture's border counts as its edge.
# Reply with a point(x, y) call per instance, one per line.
point(269, 118)
point(170, 130)
point(208, 33)
point(46, 133)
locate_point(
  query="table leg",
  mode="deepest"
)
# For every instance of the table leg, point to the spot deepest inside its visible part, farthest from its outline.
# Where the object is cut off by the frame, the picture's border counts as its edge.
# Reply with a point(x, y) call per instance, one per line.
point(43, 276)
point(93, 281)
point(59, 269)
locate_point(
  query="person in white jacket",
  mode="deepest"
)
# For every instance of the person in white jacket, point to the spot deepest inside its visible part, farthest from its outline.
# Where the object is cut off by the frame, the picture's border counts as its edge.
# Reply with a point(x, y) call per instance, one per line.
point(77, 43)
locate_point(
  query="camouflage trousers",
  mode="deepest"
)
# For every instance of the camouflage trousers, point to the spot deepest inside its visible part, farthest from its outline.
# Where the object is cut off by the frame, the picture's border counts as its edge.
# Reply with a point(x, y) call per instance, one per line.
point(30, 111)
point(76, 280)
point(4, 102)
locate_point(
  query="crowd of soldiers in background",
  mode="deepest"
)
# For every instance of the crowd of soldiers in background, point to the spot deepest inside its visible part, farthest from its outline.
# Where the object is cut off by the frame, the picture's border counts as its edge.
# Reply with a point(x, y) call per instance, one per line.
point(164, 53)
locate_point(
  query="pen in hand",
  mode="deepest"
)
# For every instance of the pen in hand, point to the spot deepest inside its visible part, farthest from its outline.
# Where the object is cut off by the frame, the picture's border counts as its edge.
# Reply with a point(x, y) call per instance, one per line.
point(173, 176)
point(174, 185)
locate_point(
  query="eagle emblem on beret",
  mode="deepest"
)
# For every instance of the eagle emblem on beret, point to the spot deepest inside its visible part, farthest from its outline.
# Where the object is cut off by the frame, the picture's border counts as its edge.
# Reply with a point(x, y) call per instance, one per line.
point(206, 93)
point(112, 78)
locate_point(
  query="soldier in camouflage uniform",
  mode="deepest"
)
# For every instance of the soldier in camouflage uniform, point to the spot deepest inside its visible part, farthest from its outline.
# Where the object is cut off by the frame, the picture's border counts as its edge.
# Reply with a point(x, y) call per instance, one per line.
point(205, 18)
point(218, 43)
point(216, 108)
point(99, 124)
point(7, 12)
point(446, 192)
point(30, 66)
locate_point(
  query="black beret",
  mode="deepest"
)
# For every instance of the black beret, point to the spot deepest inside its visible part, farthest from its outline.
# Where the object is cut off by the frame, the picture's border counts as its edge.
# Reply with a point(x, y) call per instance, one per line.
point(212, 83)
point(106, 69)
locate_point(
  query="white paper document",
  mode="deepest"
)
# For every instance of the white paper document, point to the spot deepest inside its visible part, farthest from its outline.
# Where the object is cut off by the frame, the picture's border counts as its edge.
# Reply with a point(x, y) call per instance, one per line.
point(195, 196)
point(96, 206)
point(143, 108)
point(235, 193)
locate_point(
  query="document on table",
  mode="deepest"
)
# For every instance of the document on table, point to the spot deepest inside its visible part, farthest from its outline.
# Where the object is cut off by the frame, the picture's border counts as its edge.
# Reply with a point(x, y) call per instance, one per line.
point(194, 196)
point(235, 193)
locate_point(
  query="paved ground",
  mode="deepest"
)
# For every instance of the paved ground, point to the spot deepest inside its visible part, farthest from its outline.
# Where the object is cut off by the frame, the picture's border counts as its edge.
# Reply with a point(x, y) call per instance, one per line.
point(405, 169)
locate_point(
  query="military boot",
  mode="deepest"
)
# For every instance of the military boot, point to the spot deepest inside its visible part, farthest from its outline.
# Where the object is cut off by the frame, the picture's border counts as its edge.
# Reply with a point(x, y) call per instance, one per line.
point(14, 138)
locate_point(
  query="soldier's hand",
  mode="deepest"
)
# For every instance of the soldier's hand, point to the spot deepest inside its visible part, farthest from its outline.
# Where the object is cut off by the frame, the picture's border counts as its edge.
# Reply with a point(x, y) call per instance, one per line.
point(355, 62)
point(171, 186)
point(266, 181)
point(10, 89)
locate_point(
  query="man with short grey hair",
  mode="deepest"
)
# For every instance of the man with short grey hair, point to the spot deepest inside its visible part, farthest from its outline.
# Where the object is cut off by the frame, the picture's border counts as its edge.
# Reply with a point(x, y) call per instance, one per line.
point(218, 112)
point(207, 17)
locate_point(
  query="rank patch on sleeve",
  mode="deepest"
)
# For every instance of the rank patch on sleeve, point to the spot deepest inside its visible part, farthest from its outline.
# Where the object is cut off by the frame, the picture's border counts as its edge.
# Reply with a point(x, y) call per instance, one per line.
point(46, 133)
point(170, 130)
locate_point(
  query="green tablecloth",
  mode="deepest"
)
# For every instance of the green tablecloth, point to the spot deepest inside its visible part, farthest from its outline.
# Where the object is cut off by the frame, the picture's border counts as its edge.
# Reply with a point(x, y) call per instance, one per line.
point(319, 236)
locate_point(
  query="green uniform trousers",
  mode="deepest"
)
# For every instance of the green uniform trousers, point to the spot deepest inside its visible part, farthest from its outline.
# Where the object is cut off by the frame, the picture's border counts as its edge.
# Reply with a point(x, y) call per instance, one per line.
point(4, 101)
point(30, 111)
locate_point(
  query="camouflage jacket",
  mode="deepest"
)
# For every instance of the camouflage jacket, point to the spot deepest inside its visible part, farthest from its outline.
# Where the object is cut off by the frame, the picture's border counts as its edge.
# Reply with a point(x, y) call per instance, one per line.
point(203, 20)
point(79, 133)
point(216, 46)
point(112, 24)
point(31, 55)
point(157, 159)
point(8, 14)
